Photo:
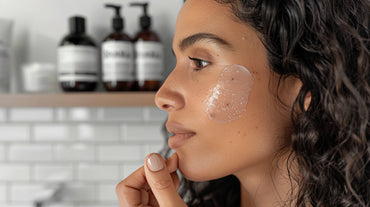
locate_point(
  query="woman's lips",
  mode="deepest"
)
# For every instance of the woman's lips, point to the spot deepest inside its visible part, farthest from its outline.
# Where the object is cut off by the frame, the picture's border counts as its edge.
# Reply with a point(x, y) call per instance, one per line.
point(180, 134)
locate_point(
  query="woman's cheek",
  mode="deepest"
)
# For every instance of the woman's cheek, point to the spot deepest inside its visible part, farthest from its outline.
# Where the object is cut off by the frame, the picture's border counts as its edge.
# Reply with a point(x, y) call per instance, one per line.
point(227, 101)
point(222, 104)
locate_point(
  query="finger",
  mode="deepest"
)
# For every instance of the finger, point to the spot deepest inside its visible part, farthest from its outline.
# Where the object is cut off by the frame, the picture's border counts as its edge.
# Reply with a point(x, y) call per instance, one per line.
point(172, 166)
point(152, 200)
point(160, 181)
point(172, 163)
point(144, 197)
point(129, 190)
point(175, 179)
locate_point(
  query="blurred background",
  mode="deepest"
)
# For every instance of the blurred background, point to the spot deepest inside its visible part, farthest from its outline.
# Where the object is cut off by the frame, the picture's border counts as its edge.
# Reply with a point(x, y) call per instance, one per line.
point(70, 156)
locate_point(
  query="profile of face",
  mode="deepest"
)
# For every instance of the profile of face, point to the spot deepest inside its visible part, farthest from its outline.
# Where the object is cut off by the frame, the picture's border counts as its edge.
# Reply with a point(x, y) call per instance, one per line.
point(221, 96)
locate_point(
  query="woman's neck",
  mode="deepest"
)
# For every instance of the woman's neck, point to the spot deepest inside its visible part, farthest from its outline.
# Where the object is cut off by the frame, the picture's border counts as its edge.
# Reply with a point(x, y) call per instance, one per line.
point(266, 185)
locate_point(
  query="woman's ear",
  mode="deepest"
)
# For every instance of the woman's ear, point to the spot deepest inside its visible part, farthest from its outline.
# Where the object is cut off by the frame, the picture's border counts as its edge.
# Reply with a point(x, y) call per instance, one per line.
point(289, 89)
point(295, 86)
point(307, 101)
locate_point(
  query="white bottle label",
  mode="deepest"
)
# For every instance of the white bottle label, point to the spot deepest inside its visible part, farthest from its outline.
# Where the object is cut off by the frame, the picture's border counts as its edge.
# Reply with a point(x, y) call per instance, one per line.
point(118, 61)
point(149, 61)
point(78, 63)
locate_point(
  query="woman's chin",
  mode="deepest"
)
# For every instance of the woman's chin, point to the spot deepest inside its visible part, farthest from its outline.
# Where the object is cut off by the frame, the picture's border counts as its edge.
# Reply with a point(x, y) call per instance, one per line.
point(196, 174)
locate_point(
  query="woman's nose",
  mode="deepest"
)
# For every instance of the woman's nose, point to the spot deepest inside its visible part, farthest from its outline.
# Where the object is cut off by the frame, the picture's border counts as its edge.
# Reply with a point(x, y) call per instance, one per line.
point(169, 96)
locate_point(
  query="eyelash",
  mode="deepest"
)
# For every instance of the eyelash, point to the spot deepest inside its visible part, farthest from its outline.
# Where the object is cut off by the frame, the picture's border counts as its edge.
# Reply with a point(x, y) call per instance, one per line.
point(200, 64)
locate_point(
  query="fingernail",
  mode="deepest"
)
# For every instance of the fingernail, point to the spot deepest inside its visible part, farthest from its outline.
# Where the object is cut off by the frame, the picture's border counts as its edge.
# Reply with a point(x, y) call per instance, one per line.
point(154, 163)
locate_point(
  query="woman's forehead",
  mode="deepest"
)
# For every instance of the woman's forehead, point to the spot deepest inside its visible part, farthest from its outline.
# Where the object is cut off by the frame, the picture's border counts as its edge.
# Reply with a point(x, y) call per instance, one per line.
point(208, 17)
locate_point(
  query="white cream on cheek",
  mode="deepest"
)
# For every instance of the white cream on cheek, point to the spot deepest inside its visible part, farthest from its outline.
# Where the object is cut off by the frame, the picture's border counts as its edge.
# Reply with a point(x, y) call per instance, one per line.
point(228, 99)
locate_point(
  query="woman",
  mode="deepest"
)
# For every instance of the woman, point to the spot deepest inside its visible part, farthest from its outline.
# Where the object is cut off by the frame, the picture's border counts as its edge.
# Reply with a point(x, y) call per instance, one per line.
point(268, 106)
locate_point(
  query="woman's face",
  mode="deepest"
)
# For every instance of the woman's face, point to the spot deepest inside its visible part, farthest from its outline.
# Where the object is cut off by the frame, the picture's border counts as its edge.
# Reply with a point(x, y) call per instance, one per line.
point(220, 98)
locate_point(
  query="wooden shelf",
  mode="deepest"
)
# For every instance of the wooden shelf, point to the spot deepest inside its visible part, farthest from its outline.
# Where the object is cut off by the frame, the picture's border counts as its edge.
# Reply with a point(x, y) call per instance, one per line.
point(93, 99)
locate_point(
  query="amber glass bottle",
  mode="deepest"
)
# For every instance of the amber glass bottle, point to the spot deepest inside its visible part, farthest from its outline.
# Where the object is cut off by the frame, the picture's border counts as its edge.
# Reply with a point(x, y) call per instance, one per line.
point(77, 59)
point(149, 55)
point(118, 56)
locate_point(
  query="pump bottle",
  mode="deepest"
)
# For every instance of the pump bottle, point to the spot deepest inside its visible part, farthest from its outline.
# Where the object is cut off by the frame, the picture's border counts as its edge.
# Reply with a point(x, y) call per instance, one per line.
point(77, 59)
point(149, 54)
point(118, 56)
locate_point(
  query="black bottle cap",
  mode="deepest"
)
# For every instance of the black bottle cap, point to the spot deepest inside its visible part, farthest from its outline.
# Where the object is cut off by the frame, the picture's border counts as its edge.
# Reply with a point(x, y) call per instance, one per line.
point(117, 21)
point(77, 25)
point(145, 20)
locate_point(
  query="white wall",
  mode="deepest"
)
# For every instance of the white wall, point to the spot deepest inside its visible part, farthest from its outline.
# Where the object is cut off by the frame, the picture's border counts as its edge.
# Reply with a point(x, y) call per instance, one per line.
point(89, 149)
point(41, 24)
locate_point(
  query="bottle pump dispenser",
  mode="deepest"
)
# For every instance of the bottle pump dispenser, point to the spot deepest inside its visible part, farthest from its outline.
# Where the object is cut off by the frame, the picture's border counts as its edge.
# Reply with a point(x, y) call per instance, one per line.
point(117, 21)
point(145, 20)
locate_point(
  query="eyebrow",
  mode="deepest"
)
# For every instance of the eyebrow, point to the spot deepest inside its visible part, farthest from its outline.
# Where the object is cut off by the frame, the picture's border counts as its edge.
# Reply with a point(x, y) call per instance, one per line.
point(192, 39)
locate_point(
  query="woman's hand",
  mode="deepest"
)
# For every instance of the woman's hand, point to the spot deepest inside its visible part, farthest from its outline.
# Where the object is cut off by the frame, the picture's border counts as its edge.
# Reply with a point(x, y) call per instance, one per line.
point(155, 184)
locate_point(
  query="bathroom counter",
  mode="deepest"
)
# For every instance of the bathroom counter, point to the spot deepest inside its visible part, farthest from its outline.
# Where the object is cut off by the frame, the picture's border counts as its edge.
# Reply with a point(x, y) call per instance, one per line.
point(92, 99)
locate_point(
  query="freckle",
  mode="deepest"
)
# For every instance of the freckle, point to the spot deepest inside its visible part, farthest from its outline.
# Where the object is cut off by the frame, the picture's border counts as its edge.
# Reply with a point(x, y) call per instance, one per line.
point(230, 141)
point(227, 104)
point(232, 78)
point(256, 127)
point(238, 132)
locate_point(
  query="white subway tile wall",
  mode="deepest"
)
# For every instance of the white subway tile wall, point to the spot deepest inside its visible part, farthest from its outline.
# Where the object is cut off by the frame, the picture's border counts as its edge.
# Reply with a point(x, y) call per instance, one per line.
point(53, 172)
point(90, 150)
point(53, 132)
point(30, 114)
point(2, 115)
point(30, 153)
point(2, 152)
point(14, 132)
point(2, 193)
point(14, 172)
point(25, 192)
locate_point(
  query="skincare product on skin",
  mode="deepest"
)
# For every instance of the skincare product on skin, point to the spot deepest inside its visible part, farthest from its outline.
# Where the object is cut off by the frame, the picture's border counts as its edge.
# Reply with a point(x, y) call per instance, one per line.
point(39, 78)
point(229, 98)
point(118, 56)
point(149, 54)
point(77, 59)
point(5, 39)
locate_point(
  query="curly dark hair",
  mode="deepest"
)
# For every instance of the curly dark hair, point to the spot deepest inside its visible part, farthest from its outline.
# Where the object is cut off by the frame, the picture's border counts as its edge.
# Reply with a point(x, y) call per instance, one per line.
point(324, 43)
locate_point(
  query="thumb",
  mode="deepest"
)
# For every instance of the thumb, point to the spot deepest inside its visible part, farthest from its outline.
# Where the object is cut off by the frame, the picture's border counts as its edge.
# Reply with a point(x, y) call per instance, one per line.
point(160, 182)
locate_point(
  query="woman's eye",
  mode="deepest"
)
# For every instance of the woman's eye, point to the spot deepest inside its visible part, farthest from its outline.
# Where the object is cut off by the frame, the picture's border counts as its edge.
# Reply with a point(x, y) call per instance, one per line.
point(199, 63)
